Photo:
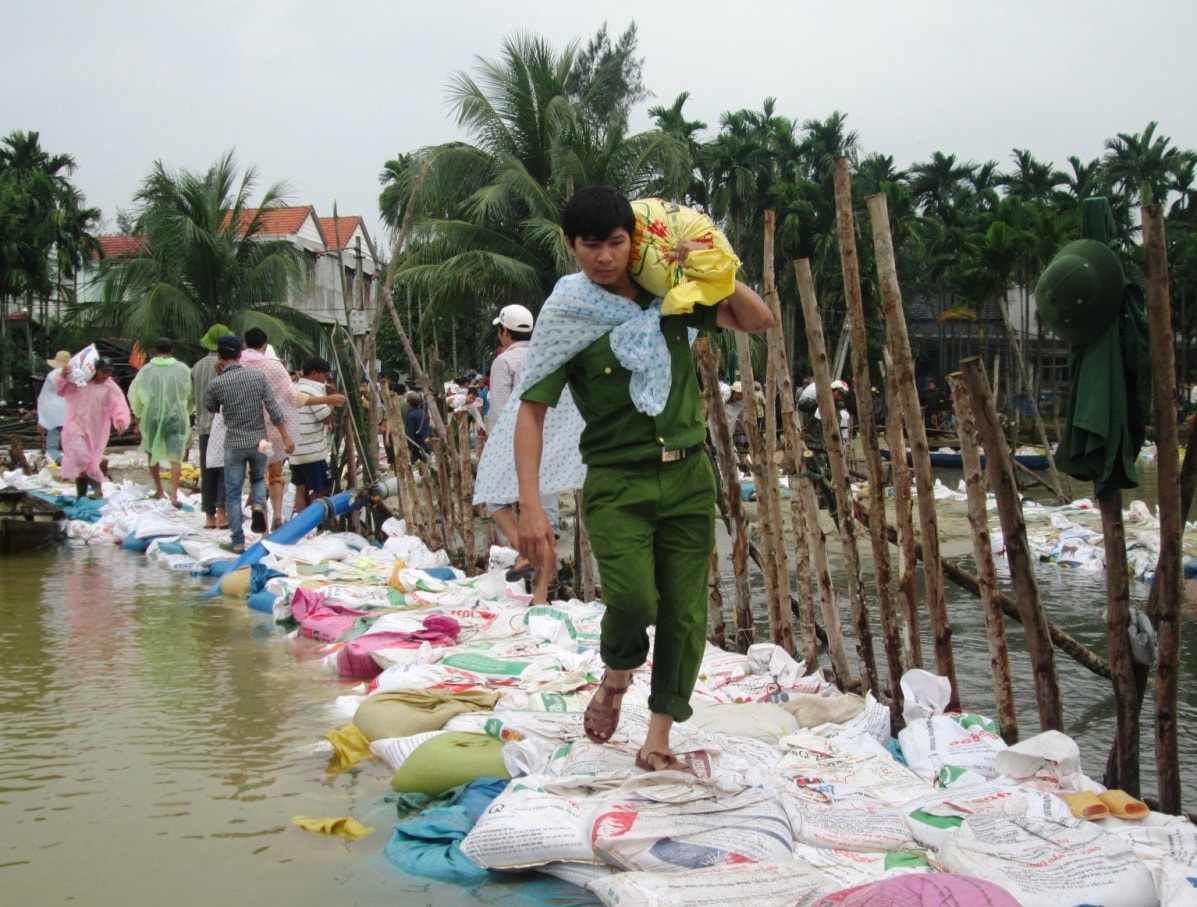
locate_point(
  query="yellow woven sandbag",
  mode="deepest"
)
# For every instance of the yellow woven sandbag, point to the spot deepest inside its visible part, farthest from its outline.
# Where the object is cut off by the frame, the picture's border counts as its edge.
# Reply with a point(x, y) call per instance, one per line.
point(709, 274)
point(235, 583)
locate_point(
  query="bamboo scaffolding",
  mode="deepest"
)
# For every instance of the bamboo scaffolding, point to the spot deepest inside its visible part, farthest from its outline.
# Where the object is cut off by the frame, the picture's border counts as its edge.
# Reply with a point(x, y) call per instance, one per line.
point(839, 473)
point(903, 368)
point(1167, 616)
point(858, 336)
point(725, 462)
point(995, 626)
point(1000, 472)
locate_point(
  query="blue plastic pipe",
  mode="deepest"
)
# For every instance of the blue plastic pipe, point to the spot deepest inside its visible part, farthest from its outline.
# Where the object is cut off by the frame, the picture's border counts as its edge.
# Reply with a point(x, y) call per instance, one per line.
point(303, 523)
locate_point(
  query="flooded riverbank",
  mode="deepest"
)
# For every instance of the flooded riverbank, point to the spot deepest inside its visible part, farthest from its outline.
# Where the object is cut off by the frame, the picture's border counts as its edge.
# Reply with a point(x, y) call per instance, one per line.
point(155, 740)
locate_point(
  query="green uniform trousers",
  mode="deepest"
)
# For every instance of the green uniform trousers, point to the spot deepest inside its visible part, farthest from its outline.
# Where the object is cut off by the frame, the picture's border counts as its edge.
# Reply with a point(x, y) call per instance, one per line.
point(652, 529)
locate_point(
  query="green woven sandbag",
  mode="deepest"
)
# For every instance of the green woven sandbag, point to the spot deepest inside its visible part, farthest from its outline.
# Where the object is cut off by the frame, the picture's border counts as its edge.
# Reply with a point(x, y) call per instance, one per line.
point(450, 759)
point(1080, 293)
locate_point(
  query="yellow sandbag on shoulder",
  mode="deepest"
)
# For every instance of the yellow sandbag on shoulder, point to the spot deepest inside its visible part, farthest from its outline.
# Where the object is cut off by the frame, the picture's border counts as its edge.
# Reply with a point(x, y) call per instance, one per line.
point(709, 275)
point(1085, 804)
point(1123, 805)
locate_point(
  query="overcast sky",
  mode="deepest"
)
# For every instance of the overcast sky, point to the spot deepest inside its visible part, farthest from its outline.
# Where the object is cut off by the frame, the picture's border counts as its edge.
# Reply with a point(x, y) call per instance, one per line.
point(322, 94)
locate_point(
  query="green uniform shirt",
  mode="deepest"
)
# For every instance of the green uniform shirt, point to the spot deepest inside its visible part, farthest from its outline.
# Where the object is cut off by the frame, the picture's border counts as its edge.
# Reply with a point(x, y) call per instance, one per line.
point(617, 432)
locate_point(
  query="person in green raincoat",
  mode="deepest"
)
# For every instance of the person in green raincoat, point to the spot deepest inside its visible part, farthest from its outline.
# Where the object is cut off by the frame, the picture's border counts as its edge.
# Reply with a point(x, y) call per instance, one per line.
point(160, 397)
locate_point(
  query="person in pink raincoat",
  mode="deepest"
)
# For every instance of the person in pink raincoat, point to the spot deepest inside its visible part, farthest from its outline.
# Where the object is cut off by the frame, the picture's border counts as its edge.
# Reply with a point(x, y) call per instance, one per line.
point(92, 411)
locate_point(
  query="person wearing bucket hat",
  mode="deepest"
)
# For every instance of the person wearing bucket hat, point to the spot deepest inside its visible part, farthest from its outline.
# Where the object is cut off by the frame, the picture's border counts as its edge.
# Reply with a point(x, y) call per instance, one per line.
point(51, 408)
point(211, 479)
point(92, 410)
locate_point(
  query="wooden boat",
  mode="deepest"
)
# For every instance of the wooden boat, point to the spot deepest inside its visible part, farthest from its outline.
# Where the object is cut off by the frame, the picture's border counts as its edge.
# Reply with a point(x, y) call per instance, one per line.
point(945, 460)
point(28, 521)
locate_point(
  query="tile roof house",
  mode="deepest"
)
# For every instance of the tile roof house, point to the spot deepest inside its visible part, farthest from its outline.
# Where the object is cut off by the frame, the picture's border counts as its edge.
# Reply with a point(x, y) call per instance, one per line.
point(322, 295)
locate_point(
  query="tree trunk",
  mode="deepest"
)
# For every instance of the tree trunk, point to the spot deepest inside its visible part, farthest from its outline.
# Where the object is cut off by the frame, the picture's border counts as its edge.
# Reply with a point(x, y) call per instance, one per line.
point(895, 438)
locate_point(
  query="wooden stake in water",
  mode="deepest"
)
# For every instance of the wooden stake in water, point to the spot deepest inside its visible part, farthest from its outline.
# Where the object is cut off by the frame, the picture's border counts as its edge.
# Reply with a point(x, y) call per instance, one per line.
point(999, 470)
point(839, 475)
point(995, 624)
point(903, 367)
point(854, 305)
point(1163, 370)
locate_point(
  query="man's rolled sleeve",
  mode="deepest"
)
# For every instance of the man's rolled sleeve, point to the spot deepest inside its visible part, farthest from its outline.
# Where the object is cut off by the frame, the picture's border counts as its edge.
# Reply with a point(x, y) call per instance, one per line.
point(548, 389)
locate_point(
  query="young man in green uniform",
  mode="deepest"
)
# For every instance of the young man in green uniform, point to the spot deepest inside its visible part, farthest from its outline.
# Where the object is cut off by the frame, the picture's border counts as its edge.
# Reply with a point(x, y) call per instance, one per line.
point(649, 493)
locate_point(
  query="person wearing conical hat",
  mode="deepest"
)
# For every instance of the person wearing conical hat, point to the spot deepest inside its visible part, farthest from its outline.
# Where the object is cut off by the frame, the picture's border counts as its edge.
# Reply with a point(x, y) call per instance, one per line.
point(211, 480)
point(51, 408)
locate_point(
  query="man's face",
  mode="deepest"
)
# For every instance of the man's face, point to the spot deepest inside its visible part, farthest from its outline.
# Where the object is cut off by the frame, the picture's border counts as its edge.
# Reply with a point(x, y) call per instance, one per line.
point(102, 375)
point(605, 261)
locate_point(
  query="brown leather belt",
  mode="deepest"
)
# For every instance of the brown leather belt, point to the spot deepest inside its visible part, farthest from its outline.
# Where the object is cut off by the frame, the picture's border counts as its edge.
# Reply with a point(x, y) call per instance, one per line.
point(668, 456)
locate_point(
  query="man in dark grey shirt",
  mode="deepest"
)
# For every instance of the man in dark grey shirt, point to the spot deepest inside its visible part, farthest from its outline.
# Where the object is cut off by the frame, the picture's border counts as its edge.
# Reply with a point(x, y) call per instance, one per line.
point(239, 395)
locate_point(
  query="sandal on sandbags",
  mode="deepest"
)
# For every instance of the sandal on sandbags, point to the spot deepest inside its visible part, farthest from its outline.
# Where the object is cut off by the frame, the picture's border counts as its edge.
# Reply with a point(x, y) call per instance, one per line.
point(644, 761)
point(600, 719)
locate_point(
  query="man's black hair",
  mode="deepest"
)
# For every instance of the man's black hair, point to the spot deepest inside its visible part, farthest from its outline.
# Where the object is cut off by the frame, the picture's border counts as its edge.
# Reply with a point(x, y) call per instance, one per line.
point(164, 345)
point(595, 213)
point(316, 365)
point(255, 338)
point(523, 335)
point(399, 387)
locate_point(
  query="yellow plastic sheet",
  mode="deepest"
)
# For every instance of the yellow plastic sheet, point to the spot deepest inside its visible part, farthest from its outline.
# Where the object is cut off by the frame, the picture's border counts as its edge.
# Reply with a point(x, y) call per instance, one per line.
point(350, 747)
point(344, 826)
point(709, 274)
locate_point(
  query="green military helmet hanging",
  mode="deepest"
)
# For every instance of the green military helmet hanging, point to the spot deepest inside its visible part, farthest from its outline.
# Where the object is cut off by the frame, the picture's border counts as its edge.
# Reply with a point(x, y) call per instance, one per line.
point(1080, 293)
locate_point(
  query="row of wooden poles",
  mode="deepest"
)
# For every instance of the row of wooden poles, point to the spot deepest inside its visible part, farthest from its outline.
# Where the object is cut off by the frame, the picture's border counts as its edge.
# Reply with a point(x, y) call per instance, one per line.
point(437, 504)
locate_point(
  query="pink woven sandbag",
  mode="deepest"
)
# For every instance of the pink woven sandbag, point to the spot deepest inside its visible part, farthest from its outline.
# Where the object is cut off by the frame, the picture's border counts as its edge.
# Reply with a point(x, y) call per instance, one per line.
point(929, 889)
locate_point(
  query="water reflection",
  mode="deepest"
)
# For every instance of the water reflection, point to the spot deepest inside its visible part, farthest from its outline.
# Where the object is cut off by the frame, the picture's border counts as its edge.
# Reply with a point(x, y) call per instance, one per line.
point(149, 738)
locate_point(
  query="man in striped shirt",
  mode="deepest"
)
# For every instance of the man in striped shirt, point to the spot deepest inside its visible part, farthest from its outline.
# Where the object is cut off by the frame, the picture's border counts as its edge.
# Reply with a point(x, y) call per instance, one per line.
point(239, 395)
point(309, 461)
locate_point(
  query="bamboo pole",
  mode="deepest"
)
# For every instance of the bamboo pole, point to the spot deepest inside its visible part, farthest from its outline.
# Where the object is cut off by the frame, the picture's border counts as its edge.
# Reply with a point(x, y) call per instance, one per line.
point(1040, 430)
point(895, 438)
point(839, 474)
point(903, 367)
point(854, 304)
point(1000, 472)
point(995, 626)
point(779, 392)
point(725, 462)
point(1159, 319)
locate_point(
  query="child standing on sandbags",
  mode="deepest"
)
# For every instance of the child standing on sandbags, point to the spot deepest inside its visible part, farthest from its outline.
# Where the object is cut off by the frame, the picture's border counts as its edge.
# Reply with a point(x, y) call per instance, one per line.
point(649, 492)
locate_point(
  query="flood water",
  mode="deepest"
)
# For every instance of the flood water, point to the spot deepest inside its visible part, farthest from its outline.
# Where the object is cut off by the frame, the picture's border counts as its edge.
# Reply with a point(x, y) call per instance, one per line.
point(156, 745)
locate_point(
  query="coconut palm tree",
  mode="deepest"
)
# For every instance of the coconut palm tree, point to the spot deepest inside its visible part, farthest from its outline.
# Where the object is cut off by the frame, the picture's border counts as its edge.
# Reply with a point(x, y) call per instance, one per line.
point(202, 261)
point(488, 224)
point(1146, 166)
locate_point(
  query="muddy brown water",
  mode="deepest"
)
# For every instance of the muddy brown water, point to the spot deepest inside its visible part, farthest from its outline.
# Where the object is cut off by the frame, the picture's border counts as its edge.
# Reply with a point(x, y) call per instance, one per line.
point(155, 745)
